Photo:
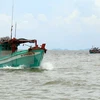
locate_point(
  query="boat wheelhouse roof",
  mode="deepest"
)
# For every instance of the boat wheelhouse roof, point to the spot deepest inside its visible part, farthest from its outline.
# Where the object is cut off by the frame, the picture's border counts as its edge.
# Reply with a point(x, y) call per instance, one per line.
point(20, 40)
point(4, 39)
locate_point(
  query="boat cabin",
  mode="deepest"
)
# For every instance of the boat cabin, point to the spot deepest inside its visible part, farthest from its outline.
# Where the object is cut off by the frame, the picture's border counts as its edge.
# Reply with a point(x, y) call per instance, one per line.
point(5, 47)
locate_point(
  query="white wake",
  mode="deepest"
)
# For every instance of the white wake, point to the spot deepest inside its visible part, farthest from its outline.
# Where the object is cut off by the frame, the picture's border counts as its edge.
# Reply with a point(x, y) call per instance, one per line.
point(11, 67)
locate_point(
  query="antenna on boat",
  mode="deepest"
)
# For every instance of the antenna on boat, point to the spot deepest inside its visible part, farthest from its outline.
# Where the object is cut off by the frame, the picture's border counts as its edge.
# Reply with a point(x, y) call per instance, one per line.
point(15, 29)
point(12, 17)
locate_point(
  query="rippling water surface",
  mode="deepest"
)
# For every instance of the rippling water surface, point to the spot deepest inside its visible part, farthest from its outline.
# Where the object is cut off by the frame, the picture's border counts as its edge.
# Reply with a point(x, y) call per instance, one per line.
point(63, 75)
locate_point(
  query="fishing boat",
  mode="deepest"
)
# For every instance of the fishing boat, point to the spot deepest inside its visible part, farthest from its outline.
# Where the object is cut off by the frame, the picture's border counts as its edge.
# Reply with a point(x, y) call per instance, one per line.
point(94, 50)
point(11, 56)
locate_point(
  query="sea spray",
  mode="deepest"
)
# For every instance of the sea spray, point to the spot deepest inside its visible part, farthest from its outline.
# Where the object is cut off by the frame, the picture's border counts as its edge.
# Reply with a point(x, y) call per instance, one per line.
point(47, 66)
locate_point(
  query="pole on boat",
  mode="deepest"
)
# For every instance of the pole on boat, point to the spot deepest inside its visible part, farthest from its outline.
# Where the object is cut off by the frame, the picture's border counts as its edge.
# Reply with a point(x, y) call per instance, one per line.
point(12, 17)
point(15, 29)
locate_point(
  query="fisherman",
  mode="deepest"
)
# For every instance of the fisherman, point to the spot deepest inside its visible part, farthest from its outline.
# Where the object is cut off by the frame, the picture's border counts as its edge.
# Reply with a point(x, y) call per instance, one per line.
point(13, 44)
point(14, 47)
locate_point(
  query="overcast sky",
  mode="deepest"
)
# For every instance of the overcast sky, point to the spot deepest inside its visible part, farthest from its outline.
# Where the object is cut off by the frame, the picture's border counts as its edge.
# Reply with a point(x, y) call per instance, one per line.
point(64, 24)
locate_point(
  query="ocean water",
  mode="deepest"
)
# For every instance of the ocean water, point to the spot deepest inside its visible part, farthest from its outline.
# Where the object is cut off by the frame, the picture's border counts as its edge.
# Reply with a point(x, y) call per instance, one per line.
point(63, 75)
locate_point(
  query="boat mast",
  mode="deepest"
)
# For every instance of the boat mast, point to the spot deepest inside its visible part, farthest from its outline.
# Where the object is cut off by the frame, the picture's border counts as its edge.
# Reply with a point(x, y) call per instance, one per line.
point(15, 29)
point(12, 17)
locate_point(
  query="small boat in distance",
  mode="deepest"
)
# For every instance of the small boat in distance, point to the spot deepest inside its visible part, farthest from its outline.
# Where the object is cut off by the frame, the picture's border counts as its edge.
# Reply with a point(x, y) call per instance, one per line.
point(94, 50)
point(11, 56)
